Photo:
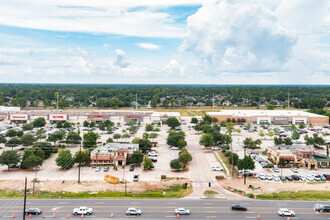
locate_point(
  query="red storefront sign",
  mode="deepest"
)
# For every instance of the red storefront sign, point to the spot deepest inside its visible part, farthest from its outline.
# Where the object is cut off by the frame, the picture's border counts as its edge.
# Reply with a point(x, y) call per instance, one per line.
point(133, 116)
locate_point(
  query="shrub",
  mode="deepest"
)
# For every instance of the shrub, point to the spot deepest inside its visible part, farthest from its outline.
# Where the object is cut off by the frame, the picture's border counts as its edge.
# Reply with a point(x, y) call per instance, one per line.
point(163, 177)
point(219, 177)
point(227, 154)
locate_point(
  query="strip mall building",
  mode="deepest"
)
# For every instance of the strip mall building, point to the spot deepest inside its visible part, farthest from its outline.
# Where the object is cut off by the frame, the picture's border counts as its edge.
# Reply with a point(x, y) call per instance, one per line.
point(81, 116)
point(274, 117)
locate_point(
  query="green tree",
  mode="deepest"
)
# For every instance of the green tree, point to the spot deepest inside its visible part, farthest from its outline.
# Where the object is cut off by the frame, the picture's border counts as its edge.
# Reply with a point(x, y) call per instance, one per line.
point(295, 135)
point(3, 140)
point(27, 127)
point(40, 134)
point(153, 135)
point(67, 124)
point(270, 107)
point(270, 133)
point(28, 139)
point(214, 120)
point(92, 124)
point(13, 142)
point(145, 145)
point(233, 159)
point(181, 144)
point(10, 157)
point(83, 157)
point(109, 140)
point(86, 124)
point(32, 162)
point(149, 127)
point(90, 139)
point(46, 147)
point(278, 141)
point(136, 140)
point(39, 122)
point(302, 126)
point(11, 133)
point(116, 136)
point(175, 164)
point(173, 122)
point(287, 141)
point(174, 137)
point(59, 124)
point(136, 158)
point(126, 136)
point(185, 157)
point(194, 120)
point(207, 140)
point(57, 136)
point(261, 133)
point(65, 159)
point(147, 163)
point(249, 163)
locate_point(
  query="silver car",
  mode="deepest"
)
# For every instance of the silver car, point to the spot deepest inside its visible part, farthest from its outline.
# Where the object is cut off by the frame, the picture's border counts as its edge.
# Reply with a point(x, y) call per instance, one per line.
point(133, 211)
point(182, 211)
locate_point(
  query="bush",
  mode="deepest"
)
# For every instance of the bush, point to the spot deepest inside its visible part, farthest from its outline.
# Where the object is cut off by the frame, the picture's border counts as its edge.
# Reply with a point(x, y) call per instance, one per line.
point(163, 177)
point(224, 151)
point(219, 177)
point(185, 186)
point(227, 154)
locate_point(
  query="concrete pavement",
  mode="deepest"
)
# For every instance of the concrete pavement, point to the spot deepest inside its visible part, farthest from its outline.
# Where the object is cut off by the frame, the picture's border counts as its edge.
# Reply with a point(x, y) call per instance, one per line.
point(160, 208)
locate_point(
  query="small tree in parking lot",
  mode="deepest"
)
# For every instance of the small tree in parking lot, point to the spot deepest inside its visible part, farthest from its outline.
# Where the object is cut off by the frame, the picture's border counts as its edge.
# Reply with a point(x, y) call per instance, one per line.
point(10, 157)
point(145, 145)
point(185, 156)
point(182, 143)
point(136, 158)
point(39, 122)
point(64, 159)
point(173, 122)
point(207, 140)
point(249, 163)
point(233, 159)
point(147, 163)
point(176, 165)
point(13, 142)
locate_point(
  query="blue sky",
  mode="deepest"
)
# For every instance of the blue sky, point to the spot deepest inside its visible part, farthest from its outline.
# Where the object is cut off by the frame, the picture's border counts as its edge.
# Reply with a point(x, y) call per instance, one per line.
point(165, 41)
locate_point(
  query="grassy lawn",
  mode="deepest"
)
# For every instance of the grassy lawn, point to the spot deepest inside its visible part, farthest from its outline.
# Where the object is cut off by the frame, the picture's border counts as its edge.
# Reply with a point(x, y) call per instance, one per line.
point(176, 191)
point(224, 170)
point(225, 160)
point(300, 195)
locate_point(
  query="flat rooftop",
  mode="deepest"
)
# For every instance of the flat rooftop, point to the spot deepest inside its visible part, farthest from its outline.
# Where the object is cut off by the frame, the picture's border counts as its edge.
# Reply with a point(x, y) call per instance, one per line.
point(111, 147)
point(250, 113)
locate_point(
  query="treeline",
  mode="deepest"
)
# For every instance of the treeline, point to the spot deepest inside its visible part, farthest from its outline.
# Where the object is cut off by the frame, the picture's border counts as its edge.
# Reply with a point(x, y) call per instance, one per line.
point(161, 95)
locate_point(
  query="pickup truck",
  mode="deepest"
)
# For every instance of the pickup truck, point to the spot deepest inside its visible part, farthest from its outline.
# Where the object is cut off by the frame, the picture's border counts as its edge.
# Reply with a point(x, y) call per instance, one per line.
point(82, 210)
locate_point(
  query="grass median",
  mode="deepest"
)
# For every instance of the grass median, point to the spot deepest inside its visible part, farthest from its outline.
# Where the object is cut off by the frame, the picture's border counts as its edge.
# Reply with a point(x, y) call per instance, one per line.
point(225, 160)
point(300, 195)
point(172, 192)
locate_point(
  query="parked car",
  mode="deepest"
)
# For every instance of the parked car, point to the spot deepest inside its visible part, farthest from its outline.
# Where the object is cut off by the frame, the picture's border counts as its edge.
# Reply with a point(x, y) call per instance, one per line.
point(217, 168)
point(295, 177)
point(154, 160)
point(276, 170)
point(106, 169)
point(33, 211)
point(97, 169)
point(131, 168)
point(323, 178)
point(310, 177)
point(269, 177)
point(322, 208)
point(82, 210)
point(327, 176)
point(136, 178)
point(282, 178)
point(317, 177)
point(239, 207)
point(276, 177)
point(293, 169)
point(153, 154)
point(133, 211)
point(215, 148)
point(286, 212)
point(262, 176)
point(182, 211)
point(302, 178)
point(13, 166)
point(289, 178)
point(175, 148)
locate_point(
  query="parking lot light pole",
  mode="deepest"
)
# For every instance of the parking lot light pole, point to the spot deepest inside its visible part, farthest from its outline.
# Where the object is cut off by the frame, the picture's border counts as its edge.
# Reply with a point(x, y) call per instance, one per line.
point(79, 164)
point(244, 173)
point(24, 206)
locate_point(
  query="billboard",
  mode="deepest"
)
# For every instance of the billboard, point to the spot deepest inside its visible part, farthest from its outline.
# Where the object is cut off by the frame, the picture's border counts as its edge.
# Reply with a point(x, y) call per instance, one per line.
point(19, 117)
point(281, 120)
point(58, 117)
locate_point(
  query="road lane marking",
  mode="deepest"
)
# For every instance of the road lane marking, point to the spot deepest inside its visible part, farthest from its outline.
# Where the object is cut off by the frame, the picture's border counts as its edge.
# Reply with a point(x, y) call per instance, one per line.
point(210, 216)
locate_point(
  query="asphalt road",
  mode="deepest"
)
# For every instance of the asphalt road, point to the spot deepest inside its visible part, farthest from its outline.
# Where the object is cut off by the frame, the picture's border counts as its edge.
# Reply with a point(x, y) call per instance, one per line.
point(160, 209)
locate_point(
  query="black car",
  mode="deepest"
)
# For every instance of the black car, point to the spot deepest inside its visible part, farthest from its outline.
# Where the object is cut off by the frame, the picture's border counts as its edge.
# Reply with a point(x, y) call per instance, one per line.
point(295, 177)
point(106, 169)
point(239, 207)
point(22, 148)
point(289, 178)
point(282, 178)
point(13, 166)
point(154, 160)
point(33, 211)
point(131, 168)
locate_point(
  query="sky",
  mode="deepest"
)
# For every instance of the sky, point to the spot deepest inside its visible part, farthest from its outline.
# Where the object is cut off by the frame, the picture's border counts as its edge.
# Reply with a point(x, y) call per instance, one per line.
point(165, 41)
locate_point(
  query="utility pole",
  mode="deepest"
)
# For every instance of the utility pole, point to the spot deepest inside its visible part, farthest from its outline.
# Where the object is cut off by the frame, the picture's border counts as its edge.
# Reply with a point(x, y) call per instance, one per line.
point(288, 101)
point(79, 164)
point(244, 173)
point(24, 207)
point(136, 103)
point(213, 102)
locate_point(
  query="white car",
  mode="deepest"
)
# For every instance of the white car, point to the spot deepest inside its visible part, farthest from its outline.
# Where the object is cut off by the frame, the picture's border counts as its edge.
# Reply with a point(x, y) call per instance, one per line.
point(295, 170)
point(310, 177)
point(276, 177)
point(175, 148)
point(262, 176)
point(286, 212)
point(269, 177)
point(82, 210)
point(97, 169)
point(133, 211)
point(153, 154)
point(182, 211)
point(303, 178)
point(215, 148)
point(217, 168)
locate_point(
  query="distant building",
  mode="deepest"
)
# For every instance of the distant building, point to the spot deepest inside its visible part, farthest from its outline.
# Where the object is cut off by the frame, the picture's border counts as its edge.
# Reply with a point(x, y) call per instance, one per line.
point(112, 154)
point(275, 117)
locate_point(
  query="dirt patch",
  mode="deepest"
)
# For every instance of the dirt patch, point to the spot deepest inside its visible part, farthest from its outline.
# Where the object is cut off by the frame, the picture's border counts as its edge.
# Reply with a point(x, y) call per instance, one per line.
point(73, 186)
point(261, 187)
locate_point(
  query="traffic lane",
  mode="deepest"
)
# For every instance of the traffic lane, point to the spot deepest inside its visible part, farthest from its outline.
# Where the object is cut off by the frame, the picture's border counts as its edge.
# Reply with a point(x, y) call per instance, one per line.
point(162, 214)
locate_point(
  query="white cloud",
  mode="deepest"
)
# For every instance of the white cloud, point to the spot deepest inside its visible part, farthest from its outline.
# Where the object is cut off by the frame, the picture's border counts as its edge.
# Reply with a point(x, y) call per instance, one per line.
point(120, 59)
point(106, 46)
point(6, 60)
point(237, 38)
point(148, 46)
point(128, 17)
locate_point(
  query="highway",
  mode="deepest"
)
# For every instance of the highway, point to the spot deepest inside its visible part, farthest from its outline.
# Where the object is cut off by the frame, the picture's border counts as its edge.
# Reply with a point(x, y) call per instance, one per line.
point(160, 208)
